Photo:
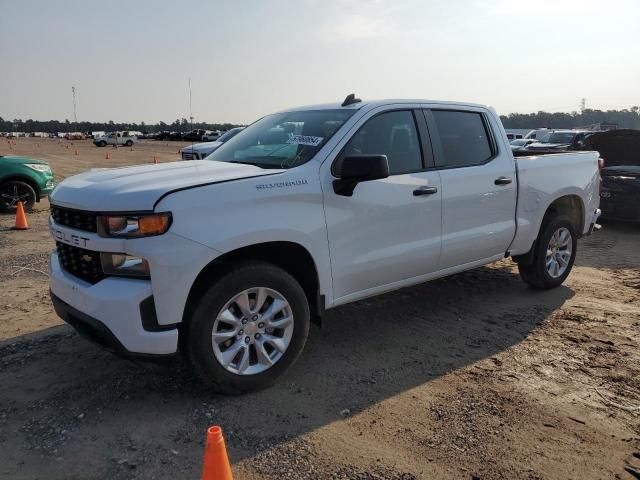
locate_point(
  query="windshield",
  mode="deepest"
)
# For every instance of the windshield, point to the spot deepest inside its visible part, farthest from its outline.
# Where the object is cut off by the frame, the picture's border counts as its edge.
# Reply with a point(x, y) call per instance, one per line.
point(282, 140)
point(230, 134)
point(558, 137)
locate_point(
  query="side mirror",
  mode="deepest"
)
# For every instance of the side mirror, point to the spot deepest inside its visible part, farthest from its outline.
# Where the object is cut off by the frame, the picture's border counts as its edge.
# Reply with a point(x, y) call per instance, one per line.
point(354, 169)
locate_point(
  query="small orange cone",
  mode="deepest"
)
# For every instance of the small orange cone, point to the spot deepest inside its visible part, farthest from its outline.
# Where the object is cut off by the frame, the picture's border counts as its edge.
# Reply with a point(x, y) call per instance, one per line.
point(21, 218)
point(216, 462)
point(106, 155)
point(131, 149)
point(155, 160)
point(76, 152)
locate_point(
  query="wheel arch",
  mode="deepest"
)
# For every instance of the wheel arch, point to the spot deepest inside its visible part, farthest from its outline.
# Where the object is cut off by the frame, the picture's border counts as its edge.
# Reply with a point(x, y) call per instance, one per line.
point(290, 256)
point(570, 205)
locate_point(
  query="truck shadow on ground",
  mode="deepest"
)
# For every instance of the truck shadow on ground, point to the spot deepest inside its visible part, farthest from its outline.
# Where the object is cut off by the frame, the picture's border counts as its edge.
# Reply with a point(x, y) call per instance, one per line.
point(61, 396)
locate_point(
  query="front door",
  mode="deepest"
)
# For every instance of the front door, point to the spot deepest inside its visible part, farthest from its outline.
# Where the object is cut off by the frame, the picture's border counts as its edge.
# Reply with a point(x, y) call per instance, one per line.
point(389, 229)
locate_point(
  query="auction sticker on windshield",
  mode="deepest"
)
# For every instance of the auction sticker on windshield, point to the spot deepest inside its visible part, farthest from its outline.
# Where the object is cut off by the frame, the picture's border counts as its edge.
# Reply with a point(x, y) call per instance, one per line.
point(305, 140)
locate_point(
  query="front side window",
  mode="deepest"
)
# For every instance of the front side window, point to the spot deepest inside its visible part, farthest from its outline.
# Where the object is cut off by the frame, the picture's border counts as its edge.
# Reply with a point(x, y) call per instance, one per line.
point(463, 137)
point(392, 134)
point(282, 140)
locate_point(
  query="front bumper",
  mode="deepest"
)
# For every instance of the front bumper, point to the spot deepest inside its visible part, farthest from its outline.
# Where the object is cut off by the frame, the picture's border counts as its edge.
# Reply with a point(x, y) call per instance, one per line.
point(110, 312)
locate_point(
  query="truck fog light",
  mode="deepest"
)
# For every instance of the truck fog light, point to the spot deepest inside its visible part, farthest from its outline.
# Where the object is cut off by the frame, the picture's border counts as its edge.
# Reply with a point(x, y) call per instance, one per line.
point(124, 265)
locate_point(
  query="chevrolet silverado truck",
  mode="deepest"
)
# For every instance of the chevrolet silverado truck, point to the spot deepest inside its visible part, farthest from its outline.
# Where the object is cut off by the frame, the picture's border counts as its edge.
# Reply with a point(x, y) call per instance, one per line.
point(228, 260)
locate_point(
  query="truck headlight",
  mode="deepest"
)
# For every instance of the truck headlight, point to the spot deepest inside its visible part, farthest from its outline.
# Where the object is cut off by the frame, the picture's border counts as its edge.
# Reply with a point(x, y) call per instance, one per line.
point(133, 226)
point(124, 265)
point(39, 167)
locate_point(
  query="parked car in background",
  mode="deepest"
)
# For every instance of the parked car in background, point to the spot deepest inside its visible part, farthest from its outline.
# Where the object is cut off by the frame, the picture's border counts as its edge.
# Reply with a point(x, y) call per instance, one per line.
point(115, 138)
point(620, 192)
point(306, 210)
point(558, 140)
point(521, 143)
point(213, 136)
point(25, 180)
point(194, 135)
point(75, 136)
point(199, 151)
point(538, 133)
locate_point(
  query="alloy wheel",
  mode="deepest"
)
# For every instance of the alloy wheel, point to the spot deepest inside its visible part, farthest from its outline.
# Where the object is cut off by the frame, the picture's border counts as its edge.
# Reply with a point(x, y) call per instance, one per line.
point(252, 331)
point(559, 252)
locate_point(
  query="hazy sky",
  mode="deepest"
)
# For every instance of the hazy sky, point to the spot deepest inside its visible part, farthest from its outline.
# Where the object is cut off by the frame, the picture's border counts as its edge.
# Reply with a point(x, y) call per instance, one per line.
point(131, 60)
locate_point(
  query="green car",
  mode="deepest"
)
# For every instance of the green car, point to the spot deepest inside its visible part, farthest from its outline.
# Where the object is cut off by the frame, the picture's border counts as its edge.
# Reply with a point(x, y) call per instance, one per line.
point(25, 180)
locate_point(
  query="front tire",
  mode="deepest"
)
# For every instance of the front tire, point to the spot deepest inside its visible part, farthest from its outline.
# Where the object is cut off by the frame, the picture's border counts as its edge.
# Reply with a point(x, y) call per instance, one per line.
point(249, 326)
point(15, 191)
point(554, 254)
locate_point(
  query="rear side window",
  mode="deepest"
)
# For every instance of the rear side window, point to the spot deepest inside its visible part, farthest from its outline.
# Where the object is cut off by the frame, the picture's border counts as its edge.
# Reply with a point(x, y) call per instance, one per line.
point(392, 134)
point(463, 137)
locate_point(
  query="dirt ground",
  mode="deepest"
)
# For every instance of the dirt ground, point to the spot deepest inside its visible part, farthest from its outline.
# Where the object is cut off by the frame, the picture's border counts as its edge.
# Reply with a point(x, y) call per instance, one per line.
point(474, 376)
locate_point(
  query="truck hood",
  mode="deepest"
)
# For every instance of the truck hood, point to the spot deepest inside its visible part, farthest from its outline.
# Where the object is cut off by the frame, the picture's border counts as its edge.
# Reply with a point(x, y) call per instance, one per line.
point(140, 187)
point(14, 160)
point(547, 146)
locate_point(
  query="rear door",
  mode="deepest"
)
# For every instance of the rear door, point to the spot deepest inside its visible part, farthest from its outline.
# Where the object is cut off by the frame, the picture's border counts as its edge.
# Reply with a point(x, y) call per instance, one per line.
point(389, 229)
point(478, 185)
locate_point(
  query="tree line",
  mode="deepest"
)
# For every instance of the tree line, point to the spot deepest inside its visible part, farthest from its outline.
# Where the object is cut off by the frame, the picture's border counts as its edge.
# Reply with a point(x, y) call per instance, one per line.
point(625, 118)
point(55, 126)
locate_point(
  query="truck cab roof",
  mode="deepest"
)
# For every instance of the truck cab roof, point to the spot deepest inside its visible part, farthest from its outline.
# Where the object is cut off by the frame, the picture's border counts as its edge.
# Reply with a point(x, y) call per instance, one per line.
point(378, 103)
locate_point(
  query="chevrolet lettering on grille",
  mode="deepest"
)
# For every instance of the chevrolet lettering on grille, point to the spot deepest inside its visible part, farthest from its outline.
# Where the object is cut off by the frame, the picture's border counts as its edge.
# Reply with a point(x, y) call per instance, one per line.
point(69, 238)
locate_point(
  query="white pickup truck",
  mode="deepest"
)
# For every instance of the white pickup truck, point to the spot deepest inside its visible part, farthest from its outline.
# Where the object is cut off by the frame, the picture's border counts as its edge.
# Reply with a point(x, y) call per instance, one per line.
point(116, 138)
point(228, 260)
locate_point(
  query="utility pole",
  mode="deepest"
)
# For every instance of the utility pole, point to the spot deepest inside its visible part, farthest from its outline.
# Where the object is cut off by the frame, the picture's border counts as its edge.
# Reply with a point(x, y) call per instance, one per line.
point(75, 113)
point(190, 111)
point(583, 105)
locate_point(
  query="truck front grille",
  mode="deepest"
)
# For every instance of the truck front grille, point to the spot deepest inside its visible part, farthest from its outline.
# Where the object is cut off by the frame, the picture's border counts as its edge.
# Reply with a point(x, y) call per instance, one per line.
point(75, 218)
point(81, 263)
point(190, 156)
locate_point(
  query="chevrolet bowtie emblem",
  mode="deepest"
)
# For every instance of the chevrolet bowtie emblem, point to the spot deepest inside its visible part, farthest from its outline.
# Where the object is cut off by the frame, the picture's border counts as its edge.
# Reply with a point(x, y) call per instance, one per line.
point(87, 258)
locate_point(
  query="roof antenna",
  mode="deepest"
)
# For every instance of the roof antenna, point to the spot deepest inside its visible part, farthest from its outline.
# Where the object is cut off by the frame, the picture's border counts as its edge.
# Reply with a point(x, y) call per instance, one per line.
point(350, 100)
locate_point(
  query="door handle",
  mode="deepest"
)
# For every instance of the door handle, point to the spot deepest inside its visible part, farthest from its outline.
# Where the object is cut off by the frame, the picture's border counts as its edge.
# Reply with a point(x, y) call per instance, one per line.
point(425, 191)
point(502, 181)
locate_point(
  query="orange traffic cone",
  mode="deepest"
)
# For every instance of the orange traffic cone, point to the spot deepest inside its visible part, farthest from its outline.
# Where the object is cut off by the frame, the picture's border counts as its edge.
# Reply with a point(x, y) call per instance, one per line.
point(76, 152)
point(155, 160)
point(106, 155)
point(21, 218)
point(216, 463)
point(131, 149)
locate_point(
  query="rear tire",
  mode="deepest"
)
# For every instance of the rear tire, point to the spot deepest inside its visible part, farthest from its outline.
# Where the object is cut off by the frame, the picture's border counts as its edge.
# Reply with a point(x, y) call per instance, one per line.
point(12, 192)
point(129, 143)
point(102, 144)
point(554, 254)
point(220, 326)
